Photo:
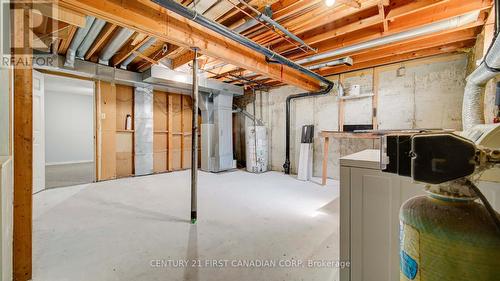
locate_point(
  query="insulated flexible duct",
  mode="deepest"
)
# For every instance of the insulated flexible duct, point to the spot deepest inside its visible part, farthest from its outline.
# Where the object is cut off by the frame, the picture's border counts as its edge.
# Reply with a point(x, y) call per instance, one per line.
point(472, 109)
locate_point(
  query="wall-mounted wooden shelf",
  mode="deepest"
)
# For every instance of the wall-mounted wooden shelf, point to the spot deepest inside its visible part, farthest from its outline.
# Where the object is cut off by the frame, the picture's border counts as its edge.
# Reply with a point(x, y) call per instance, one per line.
point(356, 97)
point(116, 154)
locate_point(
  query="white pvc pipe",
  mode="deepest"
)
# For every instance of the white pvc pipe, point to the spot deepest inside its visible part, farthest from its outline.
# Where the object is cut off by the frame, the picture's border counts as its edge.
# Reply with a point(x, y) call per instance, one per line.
point(424, 30)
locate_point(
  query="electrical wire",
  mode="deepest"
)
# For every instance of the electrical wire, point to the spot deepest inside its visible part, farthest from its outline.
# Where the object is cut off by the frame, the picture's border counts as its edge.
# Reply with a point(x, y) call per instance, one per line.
point(486, 204)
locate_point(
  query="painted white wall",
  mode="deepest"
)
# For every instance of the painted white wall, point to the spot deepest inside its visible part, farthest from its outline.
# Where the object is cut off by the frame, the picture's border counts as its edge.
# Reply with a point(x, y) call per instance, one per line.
point(429, 95)
point(69, 120)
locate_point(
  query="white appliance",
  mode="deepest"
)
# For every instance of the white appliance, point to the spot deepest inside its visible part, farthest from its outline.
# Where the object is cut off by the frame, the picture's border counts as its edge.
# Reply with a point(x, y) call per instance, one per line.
point(369, 215)
point(256, 149)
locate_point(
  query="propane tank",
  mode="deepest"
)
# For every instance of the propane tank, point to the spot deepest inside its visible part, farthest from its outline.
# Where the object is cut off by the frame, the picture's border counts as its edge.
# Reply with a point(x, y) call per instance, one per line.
point(446, 235)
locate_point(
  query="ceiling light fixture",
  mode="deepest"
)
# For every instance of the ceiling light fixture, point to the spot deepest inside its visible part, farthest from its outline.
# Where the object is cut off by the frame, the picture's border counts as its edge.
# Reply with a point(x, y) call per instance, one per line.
point(329, 3)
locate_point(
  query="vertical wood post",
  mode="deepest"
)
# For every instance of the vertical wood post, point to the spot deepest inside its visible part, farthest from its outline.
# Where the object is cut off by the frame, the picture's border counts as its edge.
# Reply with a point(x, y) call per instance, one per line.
point(194, 141)
point(23, 141)
point(375, 83)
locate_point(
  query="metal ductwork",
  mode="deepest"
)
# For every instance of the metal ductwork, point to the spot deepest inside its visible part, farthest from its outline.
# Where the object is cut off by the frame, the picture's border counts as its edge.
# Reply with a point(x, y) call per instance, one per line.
point(94, 31)
point(226, 32)
point(161, 78)
point(141, 49)
point(472, 109)
point(253, 22)
point(114, 45)
point(405, 35)
point(347, 61)
point(77, 40)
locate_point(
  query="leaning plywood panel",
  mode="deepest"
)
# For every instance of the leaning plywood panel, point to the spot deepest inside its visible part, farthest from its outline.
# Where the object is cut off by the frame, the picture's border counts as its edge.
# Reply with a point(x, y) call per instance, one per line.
point(106, 117)
point(125, 133)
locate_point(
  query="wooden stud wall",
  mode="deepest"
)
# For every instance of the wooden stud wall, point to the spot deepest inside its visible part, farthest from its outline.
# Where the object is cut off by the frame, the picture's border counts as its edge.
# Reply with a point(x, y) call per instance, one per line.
point(175, 147)
point(187, 125)
point(172, 124)
point(107, 130)
point(172, 132)
point(115, 151)
point(160, 137)
point(124, 138)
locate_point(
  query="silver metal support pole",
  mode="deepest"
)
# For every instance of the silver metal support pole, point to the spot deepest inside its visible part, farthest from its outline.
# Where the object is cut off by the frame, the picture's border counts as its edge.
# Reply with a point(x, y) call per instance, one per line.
point(194, 141)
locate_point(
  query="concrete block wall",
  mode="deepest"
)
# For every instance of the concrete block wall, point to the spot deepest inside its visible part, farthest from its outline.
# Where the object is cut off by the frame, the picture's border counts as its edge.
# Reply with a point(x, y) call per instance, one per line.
point(429, 95)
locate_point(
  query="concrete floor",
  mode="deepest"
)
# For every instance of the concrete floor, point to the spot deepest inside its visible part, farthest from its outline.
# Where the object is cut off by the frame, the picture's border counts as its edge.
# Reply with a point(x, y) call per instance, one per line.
point(123, 229)
point(69, 174)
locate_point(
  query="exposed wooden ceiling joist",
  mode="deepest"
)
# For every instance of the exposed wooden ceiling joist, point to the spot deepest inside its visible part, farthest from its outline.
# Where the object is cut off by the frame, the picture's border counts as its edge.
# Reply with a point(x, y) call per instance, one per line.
point(101, 40)
point(453, 47)
point(164, 25)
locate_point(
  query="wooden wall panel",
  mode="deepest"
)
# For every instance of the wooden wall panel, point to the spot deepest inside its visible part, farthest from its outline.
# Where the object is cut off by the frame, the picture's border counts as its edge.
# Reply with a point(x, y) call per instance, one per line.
point(124, 154)
point(124, 105)
point(187, 123)
point(107, 130)
point(160, 152)
point(176, 132)
point(172, 132)
point(175, 151)
point(124, 138)
point(160, 127)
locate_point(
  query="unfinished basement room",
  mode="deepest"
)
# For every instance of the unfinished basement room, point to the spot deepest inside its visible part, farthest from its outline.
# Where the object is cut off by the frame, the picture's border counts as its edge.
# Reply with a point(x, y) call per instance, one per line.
point(250, 140)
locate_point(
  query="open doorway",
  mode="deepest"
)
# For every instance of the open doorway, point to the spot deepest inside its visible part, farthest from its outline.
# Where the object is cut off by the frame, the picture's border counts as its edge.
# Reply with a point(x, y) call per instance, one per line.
point(69, 131)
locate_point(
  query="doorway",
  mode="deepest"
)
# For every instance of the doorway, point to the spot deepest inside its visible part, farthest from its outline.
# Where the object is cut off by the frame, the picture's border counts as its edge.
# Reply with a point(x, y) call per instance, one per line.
point(69, 131)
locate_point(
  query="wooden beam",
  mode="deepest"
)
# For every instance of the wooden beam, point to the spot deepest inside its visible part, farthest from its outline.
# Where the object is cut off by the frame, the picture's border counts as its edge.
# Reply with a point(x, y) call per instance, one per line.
point(381, 12)
point(314, 19)
point(420, 18)
point(443, 10)
point(155, 57)
point(128, 49)
point(102, 38)
point(62, 14)
point(328, 32)
point(412, 7)
point(23, 143)
point(415, 45)
point(468, 31)
point(170, 27)
point(144, 57)
point(351, 3)
point(398, 58)
point(182, 59)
